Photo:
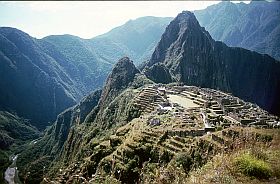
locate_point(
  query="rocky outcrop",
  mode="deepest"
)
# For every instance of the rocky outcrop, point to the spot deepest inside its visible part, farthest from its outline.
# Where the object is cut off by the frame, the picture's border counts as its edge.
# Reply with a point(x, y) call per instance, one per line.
point(158, 73)
point(121, 76)
point(194, 58)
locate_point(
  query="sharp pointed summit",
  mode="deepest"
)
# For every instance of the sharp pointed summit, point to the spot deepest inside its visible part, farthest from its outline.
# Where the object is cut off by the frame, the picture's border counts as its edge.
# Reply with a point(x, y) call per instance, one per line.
point(184, 28)
point(122, 74)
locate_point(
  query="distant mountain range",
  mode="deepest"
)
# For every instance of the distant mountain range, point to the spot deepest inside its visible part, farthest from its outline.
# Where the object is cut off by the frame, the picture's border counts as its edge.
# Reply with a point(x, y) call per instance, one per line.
point(136, 39)
point(254, 26)
point(39, 78)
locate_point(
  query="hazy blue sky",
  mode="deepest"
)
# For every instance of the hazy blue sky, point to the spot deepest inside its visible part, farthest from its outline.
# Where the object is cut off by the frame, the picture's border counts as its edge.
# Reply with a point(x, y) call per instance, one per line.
point(85, 18)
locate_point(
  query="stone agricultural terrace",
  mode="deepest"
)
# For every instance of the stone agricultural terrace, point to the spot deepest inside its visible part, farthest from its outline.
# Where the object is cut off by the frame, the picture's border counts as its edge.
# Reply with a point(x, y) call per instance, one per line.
point(204, 108)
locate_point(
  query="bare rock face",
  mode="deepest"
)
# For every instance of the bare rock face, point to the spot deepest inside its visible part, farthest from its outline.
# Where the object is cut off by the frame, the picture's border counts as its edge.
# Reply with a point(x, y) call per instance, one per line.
point(194, 58)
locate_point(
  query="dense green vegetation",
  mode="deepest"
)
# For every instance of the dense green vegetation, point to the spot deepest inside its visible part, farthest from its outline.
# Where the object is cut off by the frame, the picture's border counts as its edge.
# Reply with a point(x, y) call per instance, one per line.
point(15, 130)
point(252, 166)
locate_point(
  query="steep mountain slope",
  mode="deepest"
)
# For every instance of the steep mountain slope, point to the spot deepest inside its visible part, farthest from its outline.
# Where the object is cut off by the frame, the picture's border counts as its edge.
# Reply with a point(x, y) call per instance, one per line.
point(254, 26)
point(32, 84)
point(39, 78)
point(188, 54)
point(15, 130)
point(72, 135)
point(49, 146)
point(78, 60)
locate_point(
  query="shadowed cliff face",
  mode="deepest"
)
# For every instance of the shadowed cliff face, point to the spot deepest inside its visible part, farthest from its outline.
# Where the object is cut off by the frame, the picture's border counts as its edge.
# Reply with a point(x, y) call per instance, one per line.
point(194, 58)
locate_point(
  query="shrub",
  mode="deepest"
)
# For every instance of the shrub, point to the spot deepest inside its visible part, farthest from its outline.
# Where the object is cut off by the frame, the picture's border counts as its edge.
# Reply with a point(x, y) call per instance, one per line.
point(163, 137)
point(251, 166)
point(219, 128)
point(107, 166)
point(134, 112)
point(264, 138)
point(165, 156)
point(184, 160)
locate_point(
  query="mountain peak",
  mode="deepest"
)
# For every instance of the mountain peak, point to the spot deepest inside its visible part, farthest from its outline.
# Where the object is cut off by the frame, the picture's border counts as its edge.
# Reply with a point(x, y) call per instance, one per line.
point(186, 18)
point(123, 71)
point(184, 28)
point(188, 53)
point(186, 14)
point(122, 74)
point(124, 61)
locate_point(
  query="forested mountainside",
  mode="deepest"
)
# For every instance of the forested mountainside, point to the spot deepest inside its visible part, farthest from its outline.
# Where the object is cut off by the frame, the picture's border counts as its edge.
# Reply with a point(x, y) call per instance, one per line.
point(187, 53)
point(254, 26)
point(33, 84)
point(39, 78)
